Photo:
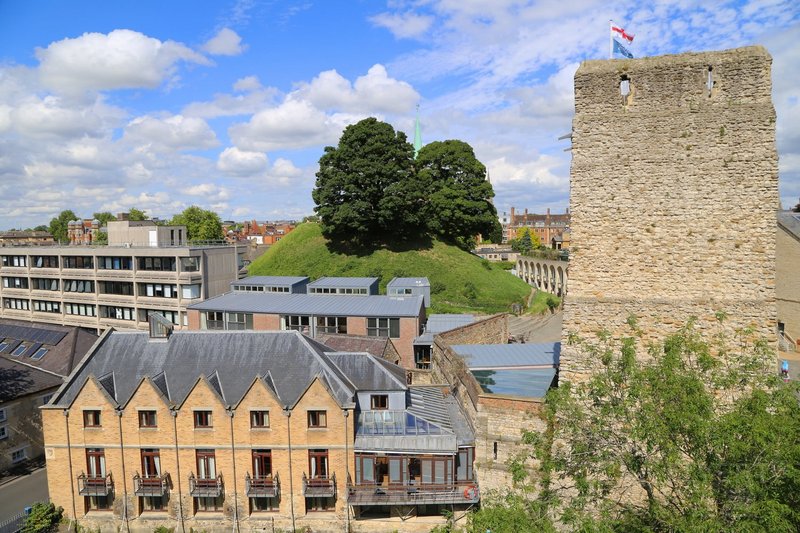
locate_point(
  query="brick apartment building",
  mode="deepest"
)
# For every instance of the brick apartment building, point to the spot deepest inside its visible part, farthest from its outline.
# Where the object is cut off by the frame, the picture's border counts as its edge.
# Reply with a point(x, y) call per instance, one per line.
point(250, 430)
point(145, 267)
point(546, 227)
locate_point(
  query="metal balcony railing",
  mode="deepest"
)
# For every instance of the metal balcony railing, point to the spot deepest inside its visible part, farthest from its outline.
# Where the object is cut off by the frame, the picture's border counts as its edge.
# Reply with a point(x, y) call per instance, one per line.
point(95, 485)
point(460, 492)
point(319, 486)
point(205, 487)
point(262, 486)
point(150, 485)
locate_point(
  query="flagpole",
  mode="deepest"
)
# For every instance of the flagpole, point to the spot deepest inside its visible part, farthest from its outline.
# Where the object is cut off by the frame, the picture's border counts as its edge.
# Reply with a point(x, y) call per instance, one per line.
point(610, 39)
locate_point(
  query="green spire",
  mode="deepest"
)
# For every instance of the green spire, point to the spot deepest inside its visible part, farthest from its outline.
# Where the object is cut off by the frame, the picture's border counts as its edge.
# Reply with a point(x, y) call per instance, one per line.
point(417, 135)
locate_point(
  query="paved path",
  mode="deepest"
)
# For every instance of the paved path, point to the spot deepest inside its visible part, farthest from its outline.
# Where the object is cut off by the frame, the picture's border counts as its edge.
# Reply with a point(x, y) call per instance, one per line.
point(540, 328)
point(23, 492)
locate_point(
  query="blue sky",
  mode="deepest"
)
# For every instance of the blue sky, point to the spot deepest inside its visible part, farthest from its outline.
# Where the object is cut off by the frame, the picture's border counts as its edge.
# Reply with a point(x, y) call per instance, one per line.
point(228, 104)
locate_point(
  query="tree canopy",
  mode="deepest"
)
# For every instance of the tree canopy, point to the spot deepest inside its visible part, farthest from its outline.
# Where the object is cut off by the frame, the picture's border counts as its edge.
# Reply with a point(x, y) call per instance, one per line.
point(702, 437)
point(201, 224)
point(137, 214)
point(60, 224)
point(457, 194)
point(365, 192)
point(371, 191)
point(104, 217)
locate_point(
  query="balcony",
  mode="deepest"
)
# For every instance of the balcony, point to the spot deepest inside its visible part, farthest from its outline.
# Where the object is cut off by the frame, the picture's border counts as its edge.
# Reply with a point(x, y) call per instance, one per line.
point(319, 486)
point(150, 485)
point(205, 487)
point(95, 486)
point(410, 494)
point(262, 486)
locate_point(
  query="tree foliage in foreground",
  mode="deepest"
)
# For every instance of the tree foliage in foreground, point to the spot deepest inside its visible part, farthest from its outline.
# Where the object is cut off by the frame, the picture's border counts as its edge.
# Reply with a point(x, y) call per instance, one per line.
point(370, 191)
point(44, 518)
point(704, 437)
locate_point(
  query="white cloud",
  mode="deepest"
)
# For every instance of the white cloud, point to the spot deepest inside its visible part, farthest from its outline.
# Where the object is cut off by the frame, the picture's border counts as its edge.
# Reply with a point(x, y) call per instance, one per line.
point(404, 25)
point(225, 43)
point(293, 124)
point(120, 59)
point(210, 191)
point(171, 133)
point(242, 163)
point(247, 84)
point(225, 105)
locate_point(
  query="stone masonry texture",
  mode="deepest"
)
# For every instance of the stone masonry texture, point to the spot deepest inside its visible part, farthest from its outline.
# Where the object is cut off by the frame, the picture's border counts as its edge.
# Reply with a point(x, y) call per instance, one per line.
point(674, 192)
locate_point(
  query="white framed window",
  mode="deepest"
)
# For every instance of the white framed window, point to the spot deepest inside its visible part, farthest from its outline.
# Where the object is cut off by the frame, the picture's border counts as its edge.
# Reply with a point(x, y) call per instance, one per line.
point(3, 414)
point(3, 432)
point(18, 456)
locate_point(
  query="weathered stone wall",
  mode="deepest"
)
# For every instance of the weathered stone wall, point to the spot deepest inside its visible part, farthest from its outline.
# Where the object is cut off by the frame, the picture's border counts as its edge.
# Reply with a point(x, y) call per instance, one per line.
point(673, 196)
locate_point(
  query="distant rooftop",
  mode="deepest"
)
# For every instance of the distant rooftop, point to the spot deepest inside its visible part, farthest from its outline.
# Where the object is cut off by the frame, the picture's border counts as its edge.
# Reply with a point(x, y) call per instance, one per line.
point(409, 282)
point(270, 280)
point(308, 304)
point(440, 323)
point(507, 356)
point(342, 282)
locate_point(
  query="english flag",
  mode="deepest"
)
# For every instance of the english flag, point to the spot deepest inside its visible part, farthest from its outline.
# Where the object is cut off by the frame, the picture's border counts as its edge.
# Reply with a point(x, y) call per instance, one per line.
point(620, 32)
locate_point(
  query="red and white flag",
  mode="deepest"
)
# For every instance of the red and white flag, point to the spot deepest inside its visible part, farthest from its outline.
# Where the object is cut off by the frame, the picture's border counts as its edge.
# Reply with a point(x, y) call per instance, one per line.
point(621, 32)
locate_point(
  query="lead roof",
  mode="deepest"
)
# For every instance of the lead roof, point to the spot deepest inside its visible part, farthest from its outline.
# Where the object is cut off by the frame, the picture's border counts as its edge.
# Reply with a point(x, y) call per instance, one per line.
point(309, 304)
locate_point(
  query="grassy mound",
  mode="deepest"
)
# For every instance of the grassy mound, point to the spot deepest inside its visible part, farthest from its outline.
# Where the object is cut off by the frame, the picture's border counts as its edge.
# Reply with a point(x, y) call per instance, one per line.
point(460, 281)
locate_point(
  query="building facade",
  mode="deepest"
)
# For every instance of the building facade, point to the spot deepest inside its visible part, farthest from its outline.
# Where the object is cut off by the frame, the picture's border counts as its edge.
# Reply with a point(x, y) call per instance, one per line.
point(787, 281)
point(115, 285)
point(250, 431)
point(546, 226)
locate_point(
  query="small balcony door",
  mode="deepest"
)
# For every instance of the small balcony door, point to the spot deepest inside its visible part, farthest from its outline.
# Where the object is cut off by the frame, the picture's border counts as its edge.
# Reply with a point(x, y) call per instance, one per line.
point(151, 463)
point(96, 462)
point(318, 464)
point(262, 464)
point(206, 464)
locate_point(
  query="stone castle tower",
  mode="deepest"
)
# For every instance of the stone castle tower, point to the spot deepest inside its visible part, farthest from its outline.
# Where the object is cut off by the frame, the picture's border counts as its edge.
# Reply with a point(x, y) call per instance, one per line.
point(674, 192)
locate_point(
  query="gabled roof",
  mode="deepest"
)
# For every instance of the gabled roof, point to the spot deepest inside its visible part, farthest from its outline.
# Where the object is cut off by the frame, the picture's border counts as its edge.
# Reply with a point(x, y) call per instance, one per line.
point(17, 380)
point(228, 360)
point(368, 372)
point(65, 345)
point(309, 304)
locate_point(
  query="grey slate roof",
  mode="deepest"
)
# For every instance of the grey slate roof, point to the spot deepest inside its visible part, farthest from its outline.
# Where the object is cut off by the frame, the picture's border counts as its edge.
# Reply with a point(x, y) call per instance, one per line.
point(790, 221)
point(309, 304)
point(279, 281)
point(409, 282)
point(497, 356)
point(354, 343)
point(343, 282)
point(440, 324)
point(65, 345)
point(368, 372)
point(230, 361)
point(17, 380)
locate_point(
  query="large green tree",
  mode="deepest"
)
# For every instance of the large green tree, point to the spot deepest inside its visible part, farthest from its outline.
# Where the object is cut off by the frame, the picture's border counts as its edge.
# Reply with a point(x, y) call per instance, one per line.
point(59, 225)
point(365, 192)
point(458, 196)
point(201, 224)
point(104, 217)
point(701, 436)
point(137, 214)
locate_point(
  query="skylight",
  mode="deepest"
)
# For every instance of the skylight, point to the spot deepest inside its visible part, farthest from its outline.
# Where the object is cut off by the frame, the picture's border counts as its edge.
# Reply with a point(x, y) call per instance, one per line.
point(20, 349)
point(39, 354)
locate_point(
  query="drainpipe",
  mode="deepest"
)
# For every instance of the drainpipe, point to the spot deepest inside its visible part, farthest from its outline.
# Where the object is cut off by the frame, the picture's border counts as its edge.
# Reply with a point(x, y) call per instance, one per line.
point(288, 414)
point(346, 414)
point(235, 479)
point(174, 414)
point(124, 479)
point(71, 475)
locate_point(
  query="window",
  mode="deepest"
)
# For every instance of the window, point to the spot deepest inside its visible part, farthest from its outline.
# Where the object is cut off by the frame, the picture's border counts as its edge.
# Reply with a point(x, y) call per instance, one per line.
point(38, 355)
point(259, 419)
point(91, 419)
point(123, 288)
point(46, 307)
point(46, 398)
point(332, 324)
point(96, 473)
point(78, 285)
point(17, 303)
point(15, 283)
point(172, 316)
point(202, 419)
point(163, 264)
point(3, 415)
point(18, 456)
point(147, 419)
point(44, 284)
point(44, 261)
point(20, 349)
point(296, 323)
point(114, 263)
point(15, 260)
point(379, 401)
point(215, 320)
point(207, 475)
point(80, 309)
point(78, 262)
point(117, 313)
point(158, 290)
point(318, 474)
point(3, 432)
point(190, 291)
point(317, 419)
point(239, 321)
point(383, 327)
point(151, 476)
point(190, 264)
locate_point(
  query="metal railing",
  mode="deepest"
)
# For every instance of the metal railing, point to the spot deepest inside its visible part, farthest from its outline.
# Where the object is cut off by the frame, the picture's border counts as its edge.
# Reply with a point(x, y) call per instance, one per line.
point(785, 343)
point(409, 493)
point(95, 485)
point(319, 486)
point(205, 487)
point(262, 486)
point(150, 485)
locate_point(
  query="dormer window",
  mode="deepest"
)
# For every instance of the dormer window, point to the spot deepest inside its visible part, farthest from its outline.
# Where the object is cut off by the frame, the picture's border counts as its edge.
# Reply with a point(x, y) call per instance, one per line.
point(379, 402)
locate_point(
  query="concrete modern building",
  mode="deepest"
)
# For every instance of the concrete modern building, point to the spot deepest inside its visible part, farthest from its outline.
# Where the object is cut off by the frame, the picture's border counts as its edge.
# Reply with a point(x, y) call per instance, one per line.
point(400, 319)
point(145, 268)
point(34, 360)
point(410, 287)
point(256, 431)
point(354, 286)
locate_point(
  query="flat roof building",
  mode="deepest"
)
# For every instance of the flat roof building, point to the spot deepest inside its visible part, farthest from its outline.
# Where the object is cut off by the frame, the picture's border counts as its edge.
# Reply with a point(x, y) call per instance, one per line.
point(349, 286)
point(410, 287)
point(280, 284)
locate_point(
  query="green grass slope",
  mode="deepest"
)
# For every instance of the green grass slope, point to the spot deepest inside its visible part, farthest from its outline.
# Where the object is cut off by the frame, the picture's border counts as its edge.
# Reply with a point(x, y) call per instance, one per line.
point(460, 281)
